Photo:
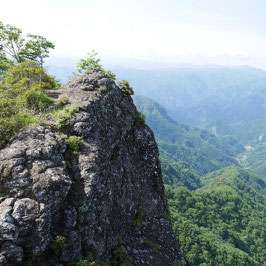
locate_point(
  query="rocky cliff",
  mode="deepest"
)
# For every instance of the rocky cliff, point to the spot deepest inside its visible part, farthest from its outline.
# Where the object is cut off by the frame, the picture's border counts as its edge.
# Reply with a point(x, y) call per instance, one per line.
point(92, 188)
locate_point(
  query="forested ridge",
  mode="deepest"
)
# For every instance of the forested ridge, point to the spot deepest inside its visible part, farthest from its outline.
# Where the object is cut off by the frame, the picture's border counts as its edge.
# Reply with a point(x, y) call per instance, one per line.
point(218, 215)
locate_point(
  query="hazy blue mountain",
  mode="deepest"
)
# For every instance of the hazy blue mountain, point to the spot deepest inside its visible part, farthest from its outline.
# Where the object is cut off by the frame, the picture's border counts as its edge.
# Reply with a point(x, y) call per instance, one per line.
point(205, 97)
point(203, 151)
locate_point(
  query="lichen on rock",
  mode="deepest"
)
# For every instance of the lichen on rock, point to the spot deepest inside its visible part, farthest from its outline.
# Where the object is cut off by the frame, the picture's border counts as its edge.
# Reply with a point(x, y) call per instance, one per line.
point(58, 207)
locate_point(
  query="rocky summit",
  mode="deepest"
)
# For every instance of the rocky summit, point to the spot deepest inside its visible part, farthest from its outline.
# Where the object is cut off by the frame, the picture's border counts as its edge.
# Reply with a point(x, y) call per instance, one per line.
point(85, 185)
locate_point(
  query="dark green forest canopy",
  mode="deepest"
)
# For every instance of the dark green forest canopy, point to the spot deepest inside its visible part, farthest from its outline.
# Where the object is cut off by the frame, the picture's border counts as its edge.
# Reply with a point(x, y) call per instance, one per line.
point(218, 217)
point(222, 224)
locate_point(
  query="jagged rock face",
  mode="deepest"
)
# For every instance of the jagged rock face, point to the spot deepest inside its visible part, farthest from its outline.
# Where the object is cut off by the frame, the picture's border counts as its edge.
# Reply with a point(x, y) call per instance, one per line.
point(109, 195)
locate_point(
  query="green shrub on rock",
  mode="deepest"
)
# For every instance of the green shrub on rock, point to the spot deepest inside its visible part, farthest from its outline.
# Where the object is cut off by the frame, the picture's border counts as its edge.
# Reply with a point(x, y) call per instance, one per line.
point(74, 144)
point(63, 116)
point(125, 88)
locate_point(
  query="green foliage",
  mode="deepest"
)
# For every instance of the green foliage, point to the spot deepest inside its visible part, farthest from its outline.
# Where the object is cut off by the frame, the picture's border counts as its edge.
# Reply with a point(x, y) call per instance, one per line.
point(68, 165)
point(91, 63)
point(59, 244)
point(103, 89)
point(23, 100)
point(27, 75)
point(235, 172)
point(222, 223)
point(9, 126)
point(176, 263)
point(152, 245)
point(125, 87)
point(179, 174)
point(83, 207)
point(74, 144)
point(63, 101)
point(5, 63)
point(137, 224)
point(139, 119)
point(36, 99)
point(37, 48)
point(63, 116)
point(12, 43)
point(120, 257)
point(88, 261)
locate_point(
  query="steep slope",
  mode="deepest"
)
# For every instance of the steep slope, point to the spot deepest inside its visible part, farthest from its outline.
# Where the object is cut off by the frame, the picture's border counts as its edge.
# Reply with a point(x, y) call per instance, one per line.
point(225, 221)
point(179, 142)
point(95, 190)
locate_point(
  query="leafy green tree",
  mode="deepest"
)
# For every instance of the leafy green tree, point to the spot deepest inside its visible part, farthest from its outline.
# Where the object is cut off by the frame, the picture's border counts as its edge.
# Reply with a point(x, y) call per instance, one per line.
point(4, 64)
point(37, 48)
point(11, 41)
point(125, 87)
point(91, 63)
point(12, 44)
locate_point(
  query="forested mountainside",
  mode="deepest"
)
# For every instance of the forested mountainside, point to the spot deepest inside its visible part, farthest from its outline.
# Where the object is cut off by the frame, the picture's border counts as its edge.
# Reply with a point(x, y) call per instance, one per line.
point(218, 217)
point(253, 135)
point(206, 96)
point(203, 151)
point(221, 224)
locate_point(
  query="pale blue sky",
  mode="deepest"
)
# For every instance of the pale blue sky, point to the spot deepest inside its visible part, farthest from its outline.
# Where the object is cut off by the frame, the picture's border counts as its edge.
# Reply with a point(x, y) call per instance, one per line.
point(175, 31)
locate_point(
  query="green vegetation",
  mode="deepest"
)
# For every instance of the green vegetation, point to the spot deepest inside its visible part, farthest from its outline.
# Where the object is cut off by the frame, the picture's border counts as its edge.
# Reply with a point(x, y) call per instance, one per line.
point(63, 116)
point(222, 223)
point(63, 101)
point(179, 174)
point(137, 224)
point(176, 263)
point(13, 44)
point(59, 244)
point(120, 257)
point(88, 261)
point(218, 216)
point(22, 98)
point(74, 144)
point(103, 90)
point(91, 63)
point(236, 172)
point(152, 245)
point(139, 119)
point(83, 207)
point(125, 87)
point(23, 81)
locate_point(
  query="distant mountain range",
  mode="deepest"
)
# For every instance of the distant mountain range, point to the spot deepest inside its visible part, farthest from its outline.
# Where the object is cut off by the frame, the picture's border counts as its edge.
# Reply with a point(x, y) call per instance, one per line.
point(204, 97)
point(203, 151)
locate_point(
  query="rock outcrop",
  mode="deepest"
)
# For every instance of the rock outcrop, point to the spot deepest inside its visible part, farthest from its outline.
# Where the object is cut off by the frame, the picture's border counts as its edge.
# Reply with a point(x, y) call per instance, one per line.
point(106, 201)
